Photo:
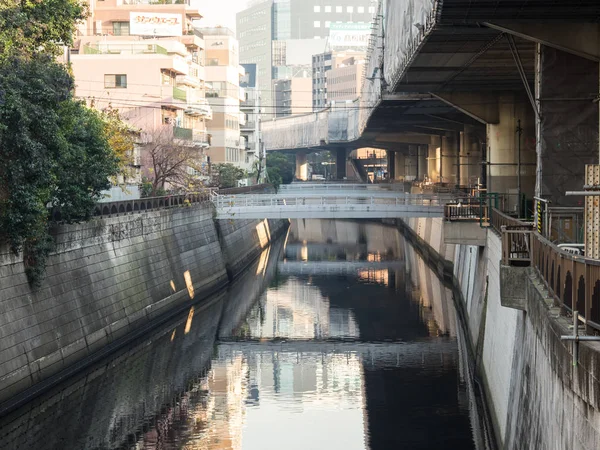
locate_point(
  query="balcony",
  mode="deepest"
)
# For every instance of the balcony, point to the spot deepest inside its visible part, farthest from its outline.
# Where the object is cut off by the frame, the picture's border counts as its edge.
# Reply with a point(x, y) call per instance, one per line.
point(199, 107)
point(134, 48)
point(185, 134)
point(179, 94)
point(249, 126)
point(195, 137)
point(250, 103)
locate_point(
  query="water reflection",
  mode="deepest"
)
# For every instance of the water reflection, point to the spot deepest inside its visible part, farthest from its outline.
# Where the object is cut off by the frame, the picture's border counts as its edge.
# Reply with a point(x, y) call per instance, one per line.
point(340, 339)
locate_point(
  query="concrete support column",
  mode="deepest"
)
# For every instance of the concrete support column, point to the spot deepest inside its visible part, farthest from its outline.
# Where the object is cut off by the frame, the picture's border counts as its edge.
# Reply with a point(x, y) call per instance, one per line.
point(391, 165)
point(400, 168)
point(340, 163)
point(422, 162)
point(470, 158)
point(450, 158)
point(504, 143)
point(433, 159)
point(411, 162)
point(301, 166)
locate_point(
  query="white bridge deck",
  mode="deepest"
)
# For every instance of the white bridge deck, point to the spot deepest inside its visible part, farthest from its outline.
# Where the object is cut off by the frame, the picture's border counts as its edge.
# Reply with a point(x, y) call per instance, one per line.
point(341, 204)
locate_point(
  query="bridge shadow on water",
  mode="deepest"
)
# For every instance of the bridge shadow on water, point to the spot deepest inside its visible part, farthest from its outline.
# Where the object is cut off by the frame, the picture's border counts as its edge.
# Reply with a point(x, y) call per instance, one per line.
point(337, 337)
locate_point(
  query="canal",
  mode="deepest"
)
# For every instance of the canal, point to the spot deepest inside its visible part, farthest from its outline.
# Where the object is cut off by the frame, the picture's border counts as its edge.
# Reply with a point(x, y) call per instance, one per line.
point(338, 336)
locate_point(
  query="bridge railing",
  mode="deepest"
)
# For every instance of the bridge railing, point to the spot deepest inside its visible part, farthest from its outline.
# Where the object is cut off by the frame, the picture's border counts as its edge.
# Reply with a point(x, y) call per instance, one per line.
point(249, 201)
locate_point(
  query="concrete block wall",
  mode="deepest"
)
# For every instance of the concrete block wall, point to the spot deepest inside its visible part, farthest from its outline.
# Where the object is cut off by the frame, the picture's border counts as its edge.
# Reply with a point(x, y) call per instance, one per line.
point(243, 240)
point(106, 279)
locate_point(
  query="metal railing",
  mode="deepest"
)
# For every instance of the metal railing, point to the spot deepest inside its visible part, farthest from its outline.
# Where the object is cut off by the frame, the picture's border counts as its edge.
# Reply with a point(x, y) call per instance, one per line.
point(119, 48)
point(468, 212)
point(249, 201)
point(572, 280)
point(498, 220)
point(108, 209)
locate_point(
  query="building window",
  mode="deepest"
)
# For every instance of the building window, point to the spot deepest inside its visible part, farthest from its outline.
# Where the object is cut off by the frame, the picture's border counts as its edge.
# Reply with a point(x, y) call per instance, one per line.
point(317, 24)
point(349, 9)
point(327, 24)
point(316, 8)
point(115, 81)
point(361, 9)
point(372, 9)
point(121, 28)
point(328, 9)
point(338, 9)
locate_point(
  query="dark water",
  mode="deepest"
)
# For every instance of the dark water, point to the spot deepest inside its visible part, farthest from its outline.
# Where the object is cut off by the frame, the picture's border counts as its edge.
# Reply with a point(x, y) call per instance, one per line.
point(338, 338)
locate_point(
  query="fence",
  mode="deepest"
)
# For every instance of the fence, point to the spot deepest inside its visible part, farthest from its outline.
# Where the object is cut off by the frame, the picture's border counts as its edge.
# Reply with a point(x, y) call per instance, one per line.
point(108, 209)
point(470, 211)
point(572, 280)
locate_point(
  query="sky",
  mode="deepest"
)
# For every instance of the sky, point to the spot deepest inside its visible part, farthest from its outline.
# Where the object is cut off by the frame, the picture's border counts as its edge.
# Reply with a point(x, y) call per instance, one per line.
point(219, 12)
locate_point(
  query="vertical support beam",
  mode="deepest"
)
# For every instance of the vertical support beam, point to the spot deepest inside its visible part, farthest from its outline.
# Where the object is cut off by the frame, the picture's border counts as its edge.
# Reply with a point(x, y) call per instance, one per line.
point(434, 166)
point(301, 165)
point(422, 160)
point(340, 163)
point(538, 129)
point(391, 165)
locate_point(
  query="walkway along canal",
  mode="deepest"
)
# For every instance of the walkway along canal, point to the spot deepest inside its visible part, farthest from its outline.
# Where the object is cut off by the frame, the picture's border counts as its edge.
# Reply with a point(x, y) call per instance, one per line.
point(364, 353)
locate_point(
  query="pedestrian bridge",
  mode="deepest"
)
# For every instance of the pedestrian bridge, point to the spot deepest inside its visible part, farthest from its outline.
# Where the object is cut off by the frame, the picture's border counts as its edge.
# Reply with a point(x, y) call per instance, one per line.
point(345, 204)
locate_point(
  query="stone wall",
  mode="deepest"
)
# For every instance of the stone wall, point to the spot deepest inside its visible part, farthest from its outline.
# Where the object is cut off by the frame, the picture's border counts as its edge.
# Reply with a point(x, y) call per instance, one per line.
point(109, 279)
point(536, 398)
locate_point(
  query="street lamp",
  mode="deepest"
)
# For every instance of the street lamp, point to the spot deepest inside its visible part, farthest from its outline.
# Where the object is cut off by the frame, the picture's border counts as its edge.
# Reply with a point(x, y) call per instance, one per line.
point(326, 163)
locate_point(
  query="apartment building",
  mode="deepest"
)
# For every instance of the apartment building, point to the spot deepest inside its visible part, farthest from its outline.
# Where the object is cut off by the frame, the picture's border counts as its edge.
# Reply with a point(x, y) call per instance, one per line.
point(147, 61)
point(344, 82)
point(250, 108)
point(322, 64)
point(223, 92)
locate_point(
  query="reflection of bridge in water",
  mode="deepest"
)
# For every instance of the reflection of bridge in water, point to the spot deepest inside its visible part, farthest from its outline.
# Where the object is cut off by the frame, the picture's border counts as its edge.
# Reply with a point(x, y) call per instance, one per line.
point(336, 267)
point(394, 354)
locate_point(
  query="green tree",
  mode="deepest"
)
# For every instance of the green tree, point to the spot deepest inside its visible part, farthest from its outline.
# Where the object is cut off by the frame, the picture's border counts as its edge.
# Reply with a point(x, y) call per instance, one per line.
point(229, 175)
point(280, 168)
point(54, 151)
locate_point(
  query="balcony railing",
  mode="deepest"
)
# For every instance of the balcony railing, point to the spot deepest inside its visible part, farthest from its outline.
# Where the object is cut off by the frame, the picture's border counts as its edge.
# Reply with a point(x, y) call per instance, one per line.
point(186, 134)
point(179, 94)
point(250, 125)
point(119, 49)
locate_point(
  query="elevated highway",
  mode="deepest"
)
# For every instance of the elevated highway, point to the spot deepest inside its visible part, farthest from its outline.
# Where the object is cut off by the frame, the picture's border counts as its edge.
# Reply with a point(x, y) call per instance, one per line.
point(465, 92)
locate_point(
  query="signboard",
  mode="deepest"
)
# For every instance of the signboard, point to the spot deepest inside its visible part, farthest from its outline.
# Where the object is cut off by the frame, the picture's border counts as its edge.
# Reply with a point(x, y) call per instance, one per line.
point(155, 24)
point(349, 34)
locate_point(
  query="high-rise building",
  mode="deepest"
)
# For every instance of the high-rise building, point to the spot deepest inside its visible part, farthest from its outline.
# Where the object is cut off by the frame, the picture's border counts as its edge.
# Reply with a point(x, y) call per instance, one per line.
point(146, 60)
point(223, 72)
point(293, 96)
point(303, 26)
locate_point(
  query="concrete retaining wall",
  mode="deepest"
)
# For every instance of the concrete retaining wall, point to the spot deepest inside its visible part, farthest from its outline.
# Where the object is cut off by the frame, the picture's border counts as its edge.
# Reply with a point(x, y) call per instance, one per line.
point(109, 278)
point(536, 398)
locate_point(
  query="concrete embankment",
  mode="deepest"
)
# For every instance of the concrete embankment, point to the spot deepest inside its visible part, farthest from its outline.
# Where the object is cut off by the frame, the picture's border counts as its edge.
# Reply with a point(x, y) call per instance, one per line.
point(537, 399)
point(108, 281)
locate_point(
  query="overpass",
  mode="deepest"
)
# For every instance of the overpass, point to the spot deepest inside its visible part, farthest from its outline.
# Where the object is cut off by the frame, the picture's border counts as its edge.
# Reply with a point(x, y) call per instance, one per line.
point(334, 205)
point(465, 92)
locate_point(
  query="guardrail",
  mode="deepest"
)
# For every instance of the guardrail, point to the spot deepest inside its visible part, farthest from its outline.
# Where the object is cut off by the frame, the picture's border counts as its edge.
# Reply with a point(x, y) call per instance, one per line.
point(468, 212)
point(572, 280)
point(108, 209)
point(498, 219)
point(230, 201)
